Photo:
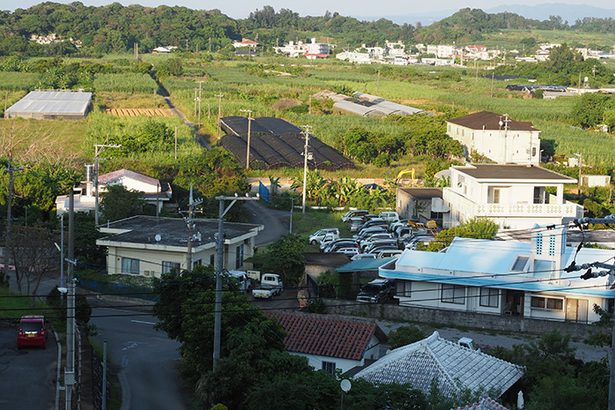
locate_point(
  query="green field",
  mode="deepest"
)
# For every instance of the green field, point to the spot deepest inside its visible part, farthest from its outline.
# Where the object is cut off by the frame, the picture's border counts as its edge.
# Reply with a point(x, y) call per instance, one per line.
point(510, 39)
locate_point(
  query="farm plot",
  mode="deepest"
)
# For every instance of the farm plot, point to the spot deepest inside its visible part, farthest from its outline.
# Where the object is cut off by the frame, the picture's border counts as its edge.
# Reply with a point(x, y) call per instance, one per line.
point(140, 112)
point(126, 82)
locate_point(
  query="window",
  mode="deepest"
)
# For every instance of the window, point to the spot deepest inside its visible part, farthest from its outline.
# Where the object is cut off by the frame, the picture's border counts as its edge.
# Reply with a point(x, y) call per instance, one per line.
point(130, 265)
point(540, 195)
point(196, 263)
point(520, 263)
point(495, 198)
point(453, 294)
point(168, 267)
point(552, 245)
point(538, 244)
point(547, 303)
point(239, 256)
point(489, 297)
point(328, 367)
point(534, 151)
point(211, 259)
point(404, 288)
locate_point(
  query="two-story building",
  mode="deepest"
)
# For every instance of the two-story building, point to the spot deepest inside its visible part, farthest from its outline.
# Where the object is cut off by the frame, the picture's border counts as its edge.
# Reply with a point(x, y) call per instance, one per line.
point(513, 196)
point(496, 137)
point(150, 246)
point(524, 279)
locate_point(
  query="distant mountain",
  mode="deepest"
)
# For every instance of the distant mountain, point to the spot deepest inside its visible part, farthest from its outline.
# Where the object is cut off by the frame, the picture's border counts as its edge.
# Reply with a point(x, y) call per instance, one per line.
point(568, 12)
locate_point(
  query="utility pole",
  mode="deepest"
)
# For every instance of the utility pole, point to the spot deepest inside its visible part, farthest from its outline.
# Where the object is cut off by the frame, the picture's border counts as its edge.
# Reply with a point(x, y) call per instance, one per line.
point(97, 150)
point(62, 280)
point(199, 99)
point(249, 112)
point(175, 143)
point(306, 134)
point(292, 207)
point(69, 372)
point(219, 114)
point(104, 377)
point(504, 123)
point(220, 266)
point(9, 216)
point(192, 204)
point(580, 156)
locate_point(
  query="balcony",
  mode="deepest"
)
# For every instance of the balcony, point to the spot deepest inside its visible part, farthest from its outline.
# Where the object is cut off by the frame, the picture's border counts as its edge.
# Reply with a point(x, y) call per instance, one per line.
point(471, 209)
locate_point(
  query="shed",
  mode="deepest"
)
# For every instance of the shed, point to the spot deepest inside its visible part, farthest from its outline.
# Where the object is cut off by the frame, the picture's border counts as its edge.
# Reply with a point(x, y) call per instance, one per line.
point(51, 105)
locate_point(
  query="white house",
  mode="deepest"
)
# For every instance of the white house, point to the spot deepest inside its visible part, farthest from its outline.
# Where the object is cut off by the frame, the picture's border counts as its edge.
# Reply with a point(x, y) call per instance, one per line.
point(155, 192)
point(525, 279)
point(497, 137)
point(456, 369)
point(314, 50)
point(245, 43)
point(441, 50)
point(513, 196)
point(329, 342)
point(150, 246)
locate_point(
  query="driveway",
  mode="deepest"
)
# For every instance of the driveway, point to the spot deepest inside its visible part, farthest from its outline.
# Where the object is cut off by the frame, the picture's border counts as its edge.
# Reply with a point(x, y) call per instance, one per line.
point(27, 375)
point(584, 352)
point(147, 359)
point(276, 222)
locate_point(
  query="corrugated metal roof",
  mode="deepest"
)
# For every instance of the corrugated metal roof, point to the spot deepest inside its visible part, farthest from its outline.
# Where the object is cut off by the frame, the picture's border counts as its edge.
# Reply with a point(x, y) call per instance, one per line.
point(362, 265)
point(52, 103)
point(453, 367)
point(354, 108)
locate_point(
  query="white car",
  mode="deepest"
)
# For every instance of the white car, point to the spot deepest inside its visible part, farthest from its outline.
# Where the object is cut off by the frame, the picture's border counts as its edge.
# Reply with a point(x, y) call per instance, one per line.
point(360, 256)
point(389, 216)
point(354, 213)
point(373, 238)
point(348, 251)
point(389, 253)
point(320, 234)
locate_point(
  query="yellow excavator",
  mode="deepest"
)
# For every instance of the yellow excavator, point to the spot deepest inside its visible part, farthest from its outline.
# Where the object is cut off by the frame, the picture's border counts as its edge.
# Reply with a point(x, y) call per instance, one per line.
point(401, 173)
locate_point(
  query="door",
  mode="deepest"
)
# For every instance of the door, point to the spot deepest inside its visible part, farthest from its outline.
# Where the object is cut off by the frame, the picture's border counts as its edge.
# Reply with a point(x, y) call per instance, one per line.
point(577, 310)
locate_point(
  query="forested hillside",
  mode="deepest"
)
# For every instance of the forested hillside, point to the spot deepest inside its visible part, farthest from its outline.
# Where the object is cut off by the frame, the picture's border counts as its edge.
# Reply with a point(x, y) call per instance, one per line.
point(116, 28)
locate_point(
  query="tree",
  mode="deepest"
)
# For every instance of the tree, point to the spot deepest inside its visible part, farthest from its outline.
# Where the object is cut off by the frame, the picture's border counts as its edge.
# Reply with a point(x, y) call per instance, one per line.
point(285, 257)
point(405, 335)
point(119, 203)
point(476, 228)
point(589, 109)
point(34, 256)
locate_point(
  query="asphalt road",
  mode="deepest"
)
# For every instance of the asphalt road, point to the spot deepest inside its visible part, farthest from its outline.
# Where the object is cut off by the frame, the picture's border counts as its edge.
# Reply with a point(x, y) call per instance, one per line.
point(276, 222)
point(26, 375)
point(147, 360)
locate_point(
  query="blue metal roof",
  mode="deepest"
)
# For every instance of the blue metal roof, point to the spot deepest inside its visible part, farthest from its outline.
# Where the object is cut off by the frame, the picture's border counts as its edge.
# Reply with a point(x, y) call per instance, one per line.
point(364, 265)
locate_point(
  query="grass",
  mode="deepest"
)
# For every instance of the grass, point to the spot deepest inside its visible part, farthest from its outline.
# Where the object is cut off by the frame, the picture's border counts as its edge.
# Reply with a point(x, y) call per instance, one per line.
point(308, 223)
point(15, 306)
point(106, 100)
point(130, 83)
point(18, 80)
point(510, 39)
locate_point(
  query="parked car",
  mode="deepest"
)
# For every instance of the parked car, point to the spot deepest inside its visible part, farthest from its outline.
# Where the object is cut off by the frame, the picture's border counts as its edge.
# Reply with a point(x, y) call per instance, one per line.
point(329, 238)
point(32, 332)
point(360, 256)
point(387, 253)
point(374, 222)
point(320, 234)
point(377, 291)
point(389, 216)
point(386, 247)
point(271, 285)
point(412, 244)
point(402, 223)
point(243, 281)
point(389, 243)
point(364, 233)
point(340, 244)
point(351, 214)
point(348, 251)
point(374, 237)
point(356, 223)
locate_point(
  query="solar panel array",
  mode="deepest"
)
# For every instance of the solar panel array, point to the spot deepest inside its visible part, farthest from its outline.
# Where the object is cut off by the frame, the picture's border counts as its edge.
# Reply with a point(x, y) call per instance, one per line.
point(276, 143)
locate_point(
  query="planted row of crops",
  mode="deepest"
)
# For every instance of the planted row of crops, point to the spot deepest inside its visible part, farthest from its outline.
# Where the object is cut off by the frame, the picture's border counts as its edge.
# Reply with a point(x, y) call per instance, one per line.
point(132, 83)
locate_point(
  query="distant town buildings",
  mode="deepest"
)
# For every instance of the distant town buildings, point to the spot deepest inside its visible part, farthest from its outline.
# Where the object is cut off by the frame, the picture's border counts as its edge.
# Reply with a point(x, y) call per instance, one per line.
point(312, 50)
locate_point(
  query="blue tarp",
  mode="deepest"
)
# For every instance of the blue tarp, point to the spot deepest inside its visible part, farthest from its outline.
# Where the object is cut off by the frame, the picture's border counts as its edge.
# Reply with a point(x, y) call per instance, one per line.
point(263, 191)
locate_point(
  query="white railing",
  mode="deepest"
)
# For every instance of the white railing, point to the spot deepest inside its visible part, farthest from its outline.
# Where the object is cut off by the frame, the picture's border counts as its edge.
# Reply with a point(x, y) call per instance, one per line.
point(466, 207)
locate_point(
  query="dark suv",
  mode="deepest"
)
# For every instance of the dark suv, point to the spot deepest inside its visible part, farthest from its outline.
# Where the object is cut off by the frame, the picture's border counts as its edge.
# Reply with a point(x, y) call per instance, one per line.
point(377, 291)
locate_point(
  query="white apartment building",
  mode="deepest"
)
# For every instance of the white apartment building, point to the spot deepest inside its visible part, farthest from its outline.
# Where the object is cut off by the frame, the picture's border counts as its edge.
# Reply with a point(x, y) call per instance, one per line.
point(497, 137)
point(441, 50)
point(513, 196)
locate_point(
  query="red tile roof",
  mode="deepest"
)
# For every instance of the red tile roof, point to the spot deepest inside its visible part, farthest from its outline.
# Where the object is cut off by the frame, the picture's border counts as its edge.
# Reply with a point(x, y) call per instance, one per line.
point(325, 335)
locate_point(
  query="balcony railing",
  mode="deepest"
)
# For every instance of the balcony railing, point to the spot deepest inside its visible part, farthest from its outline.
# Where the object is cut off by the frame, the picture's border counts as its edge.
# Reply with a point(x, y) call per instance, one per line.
point(470, 208)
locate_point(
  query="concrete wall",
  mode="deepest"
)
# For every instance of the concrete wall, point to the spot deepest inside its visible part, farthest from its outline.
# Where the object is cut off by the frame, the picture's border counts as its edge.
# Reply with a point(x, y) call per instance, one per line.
point(343, 364)
point(512, 147)
point(456, 318)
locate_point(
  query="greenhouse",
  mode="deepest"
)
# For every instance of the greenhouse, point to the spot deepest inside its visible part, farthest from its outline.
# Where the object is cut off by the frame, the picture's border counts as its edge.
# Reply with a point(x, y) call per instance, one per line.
point(51, 105)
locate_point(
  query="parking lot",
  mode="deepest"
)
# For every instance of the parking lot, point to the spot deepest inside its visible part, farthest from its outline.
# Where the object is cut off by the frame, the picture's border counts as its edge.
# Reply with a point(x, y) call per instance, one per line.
point(27, 375)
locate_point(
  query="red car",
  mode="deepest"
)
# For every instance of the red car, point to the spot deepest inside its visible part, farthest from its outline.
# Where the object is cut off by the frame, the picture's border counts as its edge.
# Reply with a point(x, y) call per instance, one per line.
point(32, 331)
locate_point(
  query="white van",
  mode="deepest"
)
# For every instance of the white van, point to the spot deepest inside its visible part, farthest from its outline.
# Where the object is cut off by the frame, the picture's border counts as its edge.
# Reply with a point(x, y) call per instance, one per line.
point(389, 216)
point(242, 279)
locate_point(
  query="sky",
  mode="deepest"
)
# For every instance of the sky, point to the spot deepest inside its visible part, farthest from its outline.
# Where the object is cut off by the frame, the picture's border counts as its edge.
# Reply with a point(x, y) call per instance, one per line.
point(357, 8)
